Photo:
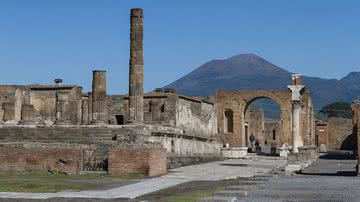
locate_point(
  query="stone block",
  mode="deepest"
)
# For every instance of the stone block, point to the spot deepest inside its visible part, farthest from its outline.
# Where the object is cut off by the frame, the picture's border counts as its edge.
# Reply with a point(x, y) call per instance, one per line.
point(293, 168)
point(234, 152)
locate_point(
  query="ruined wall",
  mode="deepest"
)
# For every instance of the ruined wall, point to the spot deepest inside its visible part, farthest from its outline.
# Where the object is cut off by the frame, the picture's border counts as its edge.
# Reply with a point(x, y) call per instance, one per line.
point(340, 133)
point(238, 101)
point(117, 105)
point(272, 131)
point(196, 117)
point(44, 99)
point(146, 161)
point(35, 157)
point(257, 125)
point(186, 145)
point(15, 95)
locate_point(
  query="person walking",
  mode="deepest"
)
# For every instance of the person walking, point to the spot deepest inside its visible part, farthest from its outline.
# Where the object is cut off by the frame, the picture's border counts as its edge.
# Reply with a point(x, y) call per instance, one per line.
point(252, 139)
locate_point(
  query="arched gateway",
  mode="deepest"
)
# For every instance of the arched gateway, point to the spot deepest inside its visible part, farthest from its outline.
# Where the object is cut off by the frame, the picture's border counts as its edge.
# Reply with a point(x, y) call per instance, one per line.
point(297, 116)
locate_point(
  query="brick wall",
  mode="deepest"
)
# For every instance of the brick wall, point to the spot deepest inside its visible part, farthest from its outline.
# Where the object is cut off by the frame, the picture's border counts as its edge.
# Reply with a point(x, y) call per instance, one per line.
point(16, 157)
point(146, 161)
point(340, 133)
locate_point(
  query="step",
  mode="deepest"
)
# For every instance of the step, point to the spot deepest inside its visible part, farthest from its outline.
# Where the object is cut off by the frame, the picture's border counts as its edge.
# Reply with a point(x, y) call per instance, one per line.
point(217, 199)
point(231, 193)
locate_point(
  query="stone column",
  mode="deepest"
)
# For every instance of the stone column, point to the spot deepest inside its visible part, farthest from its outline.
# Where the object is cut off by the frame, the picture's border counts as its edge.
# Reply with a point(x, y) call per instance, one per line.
point(296, 141)
point(90, 107)
point(9, 111)
point(63, 111)
point(296, 90)
point(99, 114)
point(85, 111)
point(136, 65)
point(27, 114)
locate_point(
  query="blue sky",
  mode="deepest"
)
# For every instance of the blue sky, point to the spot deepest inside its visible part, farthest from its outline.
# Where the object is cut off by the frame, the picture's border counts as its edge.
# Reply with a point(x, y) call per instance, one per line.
point(41, 39)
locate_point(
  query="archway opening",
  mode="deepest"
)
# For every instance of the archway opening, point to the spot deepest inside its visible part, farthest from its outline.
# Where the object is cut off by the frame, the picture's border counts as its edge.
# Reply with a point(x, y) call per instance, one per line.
point(263, 124)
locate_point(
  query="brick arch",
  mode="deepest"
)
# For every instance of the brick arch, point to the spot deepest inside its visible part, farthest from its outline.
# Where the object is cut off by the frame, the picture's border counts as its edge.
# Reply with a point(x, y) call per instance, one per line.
point(239, 101)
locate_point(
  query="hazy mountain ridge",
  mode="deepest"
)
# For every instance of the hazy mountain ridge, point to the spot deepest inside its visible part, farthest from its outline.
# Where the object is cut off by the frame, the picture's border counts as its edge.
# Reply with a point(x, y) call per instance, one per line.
point(251, 72)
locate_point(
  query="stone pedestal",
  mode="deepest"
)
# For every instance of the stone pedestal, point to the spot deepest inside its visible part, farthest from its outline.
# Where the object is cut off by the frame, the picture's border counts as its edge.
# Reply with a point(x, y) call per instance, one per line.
point(99, 111)
point(9, 111)
point(234, 152)
point(27, 114)
point(284, 151)
point(136, 66)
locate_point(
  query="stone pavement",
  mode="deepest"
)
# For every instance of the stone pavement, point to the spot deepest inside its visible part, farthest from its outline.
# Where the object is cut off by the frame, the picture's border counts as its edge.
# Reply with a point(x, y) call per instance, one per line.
point(210, 171)
point(331, 178)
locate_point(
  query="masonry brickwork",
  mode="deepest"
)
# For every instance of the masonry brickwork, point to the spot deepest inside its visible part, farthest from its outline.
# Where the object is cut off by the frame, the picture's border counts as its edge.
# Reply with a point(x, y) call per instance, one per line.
point(239, 101)
point(148, 161)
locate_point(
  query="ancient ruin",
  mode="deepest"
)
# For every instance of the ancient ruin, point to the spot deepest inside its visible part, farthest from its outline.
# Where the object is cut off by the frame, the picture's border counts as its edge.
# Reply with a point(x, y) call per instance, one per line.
point(74, 131)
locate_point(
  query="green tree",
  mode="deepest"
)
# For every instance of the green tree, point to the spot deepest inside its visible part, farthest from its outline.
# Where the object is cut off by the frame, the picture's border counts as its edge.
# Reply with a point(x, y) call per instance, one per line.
point(336, 109)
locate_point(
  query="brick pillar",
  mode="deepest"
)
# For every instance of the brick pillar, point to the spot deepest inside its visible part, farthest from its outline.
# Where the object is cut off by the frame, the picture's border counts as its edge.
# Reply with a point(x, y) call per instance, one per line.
point(27, 114)
point(136, 65)
point(99, 112)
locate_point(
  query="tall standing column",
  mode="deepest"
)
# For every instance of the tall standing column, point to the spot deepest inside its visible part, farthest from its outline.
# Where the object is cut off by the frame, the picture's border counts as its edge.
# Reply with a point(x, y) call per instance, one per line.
point(136, 65)
point(99, 112)
point(296, 90)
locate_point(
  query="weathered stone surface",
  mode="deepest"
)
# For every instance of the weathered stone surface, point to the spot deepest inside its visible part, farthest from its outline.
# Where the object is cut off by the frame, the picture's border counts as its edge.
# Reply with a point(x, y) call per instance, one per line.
point(234, 152)
point(147, 161)
point(136, 64)
point(99, 113)
point(27, 114)
point(9, 111)
point(36, 157)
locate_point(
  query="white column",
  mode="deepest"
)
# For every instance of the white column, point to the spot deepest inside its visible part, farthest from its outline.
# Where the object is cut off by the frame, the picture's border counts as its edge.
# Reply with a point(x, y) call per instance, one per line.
point(296, 107)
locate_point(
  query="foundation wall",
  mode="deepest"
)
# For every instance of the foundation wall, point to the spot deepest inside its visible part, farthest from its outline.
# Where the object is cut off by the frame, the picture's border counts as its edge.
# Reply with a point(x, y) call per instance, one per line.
point(55, 158)
point(149, 162)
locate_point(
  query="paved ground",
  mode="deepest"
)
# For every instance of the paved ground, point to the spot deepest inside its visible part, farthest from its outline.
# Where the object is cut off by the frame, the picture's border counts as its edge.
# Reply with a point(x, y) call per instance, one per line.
point(210, 172)
point(331, 178)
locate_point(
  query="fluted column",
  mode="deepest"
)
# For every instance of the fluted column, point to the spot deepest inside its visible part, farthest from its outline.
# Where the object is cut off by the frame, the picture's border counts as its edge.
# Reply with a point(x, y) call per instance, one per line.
point(99, 112)
point(136, 66)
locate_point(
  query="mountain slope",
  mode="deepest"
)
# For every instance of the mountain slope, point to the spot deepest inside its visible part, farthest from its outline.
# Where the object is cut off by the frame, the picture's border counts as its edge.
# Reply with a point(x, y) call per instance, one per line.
point(251, 72)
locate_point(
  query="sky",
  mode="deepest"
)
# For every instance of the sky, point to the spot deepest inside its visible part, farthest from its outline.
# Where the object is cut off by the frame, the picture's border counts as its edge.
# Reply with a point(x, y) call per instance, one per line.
point(41, 40)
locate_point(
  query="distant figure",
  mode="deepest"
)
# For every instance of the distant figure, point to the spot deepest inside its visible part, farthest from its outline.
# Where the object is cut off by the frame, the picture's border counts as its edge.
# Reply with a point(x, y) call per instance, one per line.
point(252, 140)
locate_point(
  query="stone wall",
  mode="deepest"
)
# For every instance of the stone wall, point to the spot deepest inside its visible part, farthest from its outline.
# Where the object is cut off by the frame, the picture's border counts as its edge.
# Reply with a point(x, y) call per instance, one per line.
point(272, 131)
point(146, 161)
point(36, 157)
point(257, 125)
point(196, 117)
point(340, 133)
